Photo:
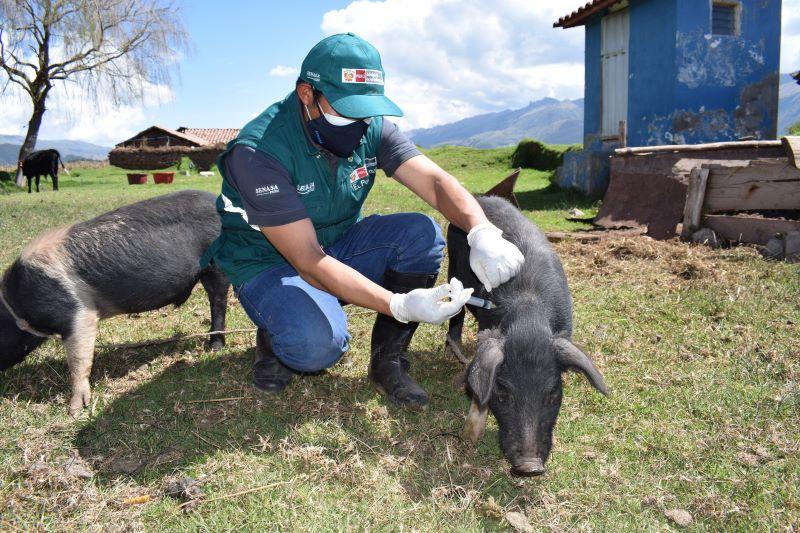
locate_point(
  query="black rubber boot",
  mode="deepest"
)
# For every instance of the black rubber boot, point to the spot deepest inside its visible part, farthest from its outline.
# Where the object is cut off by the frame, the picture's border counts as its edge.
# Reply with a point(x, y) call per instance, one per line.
point(269, 374)
point(388, 367)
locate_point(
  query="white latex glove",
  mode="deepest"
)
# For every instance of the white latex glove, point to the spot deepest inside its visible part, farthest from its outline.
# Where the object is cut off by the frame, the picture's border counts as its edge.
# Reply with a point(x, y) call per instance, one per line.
point(493, 259)
point(429, 305)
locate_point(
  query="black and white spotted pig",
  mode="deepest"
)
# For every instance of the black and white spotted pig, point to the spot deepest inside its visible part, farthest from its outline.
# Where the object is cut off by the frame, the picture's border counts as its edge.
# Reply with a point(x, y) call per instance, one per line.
point(524, 345)
point(136, 258)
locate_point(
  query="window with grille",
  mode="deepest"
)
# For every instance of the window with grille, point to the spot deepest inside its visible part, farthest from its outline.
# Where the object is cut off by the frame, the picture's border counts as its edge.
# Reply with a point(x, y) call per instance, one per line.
point(725, 18)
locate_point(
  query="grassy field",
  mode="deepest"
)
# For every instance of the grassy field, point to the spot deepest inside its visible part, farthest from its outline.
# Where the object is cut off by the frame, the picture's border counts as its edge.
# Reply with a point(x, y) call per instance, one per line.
point(699, 347)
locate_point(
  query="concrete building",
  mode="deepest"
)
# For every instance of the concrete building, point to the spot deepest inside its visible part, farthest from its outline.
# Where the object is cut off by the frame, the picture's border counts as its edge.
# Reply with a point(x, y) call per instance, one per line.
point(676, 72)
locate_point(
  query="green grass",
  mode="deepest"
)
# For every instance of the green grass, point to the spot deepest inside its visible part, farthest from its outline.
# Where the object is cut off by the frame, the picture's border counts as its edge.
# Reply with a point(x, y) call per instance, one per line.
point(698, 346)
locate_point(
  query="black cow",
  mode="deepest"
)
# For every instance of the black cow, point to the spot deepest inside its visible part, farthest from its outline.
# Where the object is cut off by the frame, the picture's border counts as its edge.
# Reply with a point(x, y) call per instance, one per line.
point(136, 258)
point(38, 164)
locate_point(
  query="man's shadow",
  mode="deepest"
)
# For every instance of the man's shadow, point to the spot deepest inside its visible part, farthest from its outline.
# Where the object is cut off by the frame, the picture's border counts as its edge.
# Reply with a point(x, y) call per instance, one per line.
point(198, 408)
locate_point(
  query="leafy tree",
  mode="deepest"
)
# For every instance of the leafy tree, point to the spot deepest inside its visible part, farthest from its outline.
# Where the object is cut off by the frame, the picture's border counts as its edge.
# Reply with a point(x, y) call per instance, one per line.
point(795, 130)
point(109, 47)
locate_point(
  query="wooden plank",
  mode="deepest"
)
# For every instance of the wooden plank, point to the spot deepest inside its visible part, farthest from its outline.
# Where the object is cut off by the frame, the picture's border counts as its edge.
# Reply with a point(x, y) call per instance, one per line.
point(792, 147)
point(683, 168)
point(623, 134)
point(748, 229)
point(695, 197)
point(697, 147)
point(763, 184)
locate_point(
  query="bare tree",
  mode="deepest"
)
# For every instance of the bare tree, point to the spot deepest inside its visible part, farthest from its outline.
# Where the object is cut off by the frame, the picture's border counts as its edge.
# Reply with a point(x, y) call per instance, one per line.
point(114, 48)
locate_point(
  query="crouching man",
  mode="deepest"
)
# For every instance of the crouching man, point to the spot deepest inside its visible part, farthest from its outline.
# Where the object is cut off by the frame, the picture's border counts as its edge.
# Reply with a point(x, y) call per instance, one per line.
point(295, 246)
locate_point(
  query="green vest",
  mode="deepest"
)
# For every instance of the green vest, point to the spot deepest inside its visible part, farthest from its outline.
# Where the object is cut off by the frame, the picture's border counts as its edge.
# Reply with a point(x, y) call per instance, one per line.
point(333, 200)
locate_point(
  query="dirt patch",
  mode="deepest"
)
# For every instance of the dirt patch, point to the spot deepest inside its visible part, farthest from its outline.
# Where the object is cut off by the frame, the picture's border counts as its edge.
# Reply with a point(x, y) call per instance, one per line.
point(645, 259)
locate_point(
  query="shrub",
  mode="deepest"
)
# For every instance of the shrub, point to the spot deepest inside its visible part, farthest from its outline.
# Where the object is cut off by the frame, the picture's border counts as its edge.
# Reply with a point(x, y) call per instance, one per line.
point(534, 154)
point(795, 130)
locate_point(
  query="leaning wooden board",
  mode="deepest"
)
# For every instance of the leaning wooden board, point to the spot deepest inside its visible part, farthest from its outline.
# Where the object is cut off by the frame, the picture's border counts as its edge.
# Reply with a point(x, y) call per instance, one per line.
point(764, 184)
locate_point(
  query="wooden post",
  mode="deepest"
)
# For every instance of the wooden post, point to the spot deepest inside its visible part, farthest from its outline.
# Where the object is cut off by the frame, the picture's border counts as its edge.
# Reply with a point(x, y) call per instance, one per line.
point(695, 197)
point(623, 133)
point(792, 147)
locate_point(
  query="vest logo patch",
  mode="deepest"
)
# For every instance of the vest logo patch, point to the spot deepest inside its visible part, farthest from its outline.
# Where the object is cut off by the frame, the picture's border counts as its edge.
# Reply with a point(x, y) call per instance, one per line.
point(269, 189)
point(371, 163)
point(362, 75)
point(313, 76)
point(359, 177)
point(306, 188)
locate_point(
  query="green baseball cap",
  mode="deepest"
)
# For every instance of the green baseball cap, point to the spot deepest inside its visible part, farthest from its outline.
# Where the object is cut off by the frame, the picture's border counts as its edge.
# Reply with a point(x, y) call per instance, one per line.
point(348, 71)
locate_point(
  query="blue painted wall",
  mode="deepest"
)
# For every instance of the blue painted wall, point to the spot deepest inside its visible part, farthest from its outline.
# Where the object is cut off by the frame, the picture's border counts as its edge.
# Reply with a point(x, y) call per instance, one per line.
point(686, 85)
point(726, 86)
point(651, 63)
point(593, 81)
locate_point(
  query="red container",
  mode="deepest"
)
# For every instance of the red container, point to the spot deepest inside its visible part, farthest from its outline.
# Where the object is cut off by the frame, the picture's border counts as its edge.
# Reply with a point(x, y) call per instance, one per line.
point(163, 177)
point(137, 179)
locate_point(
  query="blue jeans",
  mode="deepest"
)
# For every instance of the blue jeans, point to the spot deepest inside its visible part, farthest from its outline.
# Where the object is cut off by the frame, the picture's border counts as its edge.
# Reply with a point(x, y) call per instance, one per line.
point(307, 326)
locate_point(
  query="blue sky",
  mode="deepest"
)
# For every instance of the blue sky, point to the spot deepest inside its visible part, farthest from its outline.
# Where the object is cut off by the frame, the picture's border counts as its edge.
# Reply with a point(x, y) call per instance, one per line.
point(225, 80)
point(445, 60)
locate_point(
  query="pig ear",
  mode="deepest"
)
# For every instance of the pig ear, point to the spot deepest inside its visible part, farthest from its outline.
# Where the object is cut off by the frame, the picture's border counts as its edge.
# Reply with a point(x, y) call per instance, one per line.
point(573, 358)
point(483, 369)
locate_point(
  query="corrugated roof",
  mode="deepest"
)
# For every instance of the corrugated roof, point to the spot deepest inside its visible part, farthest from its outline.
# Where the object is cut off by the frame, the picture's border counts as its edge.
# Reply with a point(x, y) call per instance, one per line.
point(212, 135)
point(579, 16)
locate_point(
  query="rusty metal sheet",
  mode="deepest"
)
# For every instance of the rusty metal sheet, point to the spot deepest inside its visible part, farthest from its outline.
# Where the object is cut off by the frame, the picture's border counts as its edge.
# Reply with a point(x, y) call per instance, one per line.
point(636, 200)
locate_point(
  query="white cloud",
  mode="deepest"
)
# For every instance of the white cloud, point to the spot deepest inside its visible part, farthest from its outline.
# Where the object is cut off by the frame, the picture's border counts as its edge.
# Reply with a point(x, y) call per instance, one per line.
point(449, 59)
point(284, 71)
point(102, 120)
point(790, 41)
point(78, 114)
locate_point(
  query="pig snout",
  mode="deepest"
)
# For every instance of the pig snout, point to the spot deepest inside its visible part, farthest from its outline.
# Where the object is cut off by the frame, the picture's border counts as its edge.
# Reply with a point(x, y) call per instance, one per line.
point(528, 467)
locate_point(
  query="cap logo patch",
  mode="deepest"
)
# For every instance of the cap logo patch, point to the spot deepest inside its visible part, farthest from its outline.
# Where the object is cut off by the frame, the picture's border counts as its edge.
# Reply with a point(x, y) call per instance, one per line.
point(313, 76)
point(362, 75)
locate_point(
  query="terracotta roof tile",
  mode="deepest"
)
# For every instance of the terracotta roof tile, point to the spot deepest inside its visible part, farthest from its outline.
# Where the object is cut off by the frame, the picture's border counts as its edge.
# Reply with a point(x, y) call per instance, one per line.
point(212, 135)
point(579, 16)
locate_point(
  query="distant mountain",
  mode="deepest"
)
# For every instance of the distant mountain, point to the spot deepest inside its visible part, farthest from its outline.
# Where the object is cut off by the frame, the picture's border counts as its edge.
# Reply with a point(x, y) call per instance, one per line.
point(556, 122)
point(789, 106)
point(69, 150)
point(549, 120)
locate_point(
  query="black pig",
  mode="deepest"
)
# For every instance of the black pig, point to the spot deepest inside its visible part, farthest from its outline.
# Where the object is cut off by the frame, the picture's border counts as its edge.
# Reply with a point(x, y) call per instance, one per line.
point(523, 344)
point(136, 258)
